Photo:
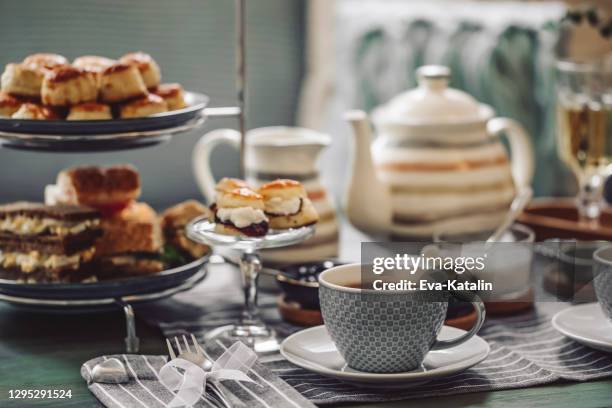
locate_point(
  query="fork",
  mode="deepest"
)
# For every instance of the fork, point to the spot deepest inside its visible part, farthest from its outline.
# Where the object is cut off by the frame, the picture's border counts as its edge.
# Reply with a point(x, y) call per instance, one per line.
point(199, 357)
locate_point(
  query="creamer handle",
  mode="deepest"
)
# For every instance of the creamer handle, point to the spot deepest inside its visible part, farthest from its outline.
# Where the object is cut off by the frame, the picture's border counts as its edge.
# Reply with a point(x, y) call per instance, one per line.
point(200, 158)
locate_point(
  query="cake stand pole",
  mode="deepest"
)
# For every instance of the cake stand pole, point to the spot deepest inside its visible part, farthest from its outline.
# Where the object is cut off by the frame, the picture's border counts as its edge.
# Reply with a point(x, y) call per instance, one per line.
point(241, 80)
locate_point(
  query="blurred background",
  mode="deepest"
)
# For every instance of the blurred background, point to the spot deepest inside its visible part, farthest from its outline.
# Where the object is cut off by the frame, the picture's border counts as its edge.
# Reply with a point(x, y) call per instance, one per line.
point(308, 61)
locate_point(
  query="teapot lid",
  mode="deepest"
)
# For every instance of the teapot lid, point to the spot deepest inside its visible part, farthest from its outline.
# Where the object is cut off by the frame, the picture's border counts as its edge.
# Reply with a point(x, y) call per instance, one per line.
point(433, 102)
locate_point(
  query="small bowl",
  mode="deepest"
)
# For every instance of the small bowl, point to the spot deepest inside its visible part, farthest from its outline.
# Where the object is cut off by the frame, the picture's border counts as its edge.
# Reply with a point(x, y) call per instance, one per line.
point(300, 282)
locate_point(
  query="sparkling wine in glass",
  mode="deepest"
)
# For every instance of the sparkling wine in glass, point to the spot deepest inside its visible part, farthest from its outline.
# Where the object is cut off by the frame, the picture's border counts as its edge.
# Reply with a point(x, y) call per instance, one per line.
point(584, 110)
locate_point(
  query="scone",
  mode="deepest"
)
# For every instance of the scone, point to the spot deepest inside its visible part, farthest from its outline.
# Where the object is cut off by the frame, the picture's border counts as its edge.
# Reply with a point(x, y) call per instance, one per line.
point(93, 63)
point(35, 111)
point(175, 219)
point(287, 205)
point(121, 82)
point(172, 94)
point(45, 60)
point(227, 184)
point(8, 105)
point(90, 111)
point(240, 212)
point(149, 70)
point(22, 80)
point(145, 106)
point(65, 86)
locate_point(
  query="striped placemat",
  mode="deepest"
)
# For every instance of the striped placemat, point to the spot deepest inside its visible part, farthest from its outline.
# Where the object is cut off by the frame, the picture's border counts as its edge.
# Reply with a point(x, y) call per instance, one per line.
point(526, 350)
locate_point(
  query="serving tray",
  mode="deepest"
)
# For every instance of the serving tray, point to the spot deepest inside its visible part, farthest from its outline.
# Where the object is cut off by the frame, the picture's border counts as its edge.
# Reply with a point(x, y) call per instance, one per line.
point(110, 289)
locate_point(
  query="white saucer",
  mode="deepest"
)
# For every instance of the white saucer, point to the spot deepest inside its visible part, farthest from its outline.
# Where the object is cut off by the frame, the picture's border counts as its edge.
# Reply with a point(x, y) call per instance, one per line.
point(314, 350)
point(585, 324)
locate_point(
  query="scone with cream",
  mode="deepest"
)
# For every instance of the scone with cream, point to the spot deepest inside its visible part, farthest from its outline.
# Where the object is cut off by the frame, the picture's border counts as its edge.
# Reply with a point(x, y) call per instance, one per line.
point(172, 94)
point(287, 205)
point(90, 111)
point(8, 105)
point(146, 106)
point(35, 111)
point(65, 86)
point(241, 212)
point(148, 68)
point(22, 80)
point(121, 82)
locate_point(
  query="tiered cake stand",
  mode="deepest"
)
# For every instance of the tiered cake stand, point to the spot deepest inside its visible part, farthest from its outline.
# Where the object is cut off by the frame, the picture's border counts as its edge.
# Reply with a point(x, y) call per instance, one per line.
point(115, 135)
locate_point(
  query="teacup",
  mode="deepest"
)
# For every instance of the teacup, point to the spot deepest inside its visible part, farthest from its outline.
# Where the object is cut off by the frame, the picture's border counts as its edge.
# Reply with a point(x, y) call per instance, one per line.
point(603, 279)
point(383, 331)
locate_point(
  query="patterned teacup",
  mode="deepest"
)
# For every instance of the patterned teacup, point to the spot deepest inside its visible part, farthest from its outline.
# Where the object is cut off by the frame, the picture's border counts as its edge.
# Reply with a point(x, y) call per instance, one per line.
point(603, 279)
point(383, 331)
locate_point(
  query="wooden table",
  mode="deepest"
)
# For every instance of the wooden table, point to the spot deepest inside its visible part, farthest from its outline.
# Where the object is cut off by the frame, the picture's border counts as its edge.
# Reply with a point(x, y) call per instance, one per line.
point(42, 351)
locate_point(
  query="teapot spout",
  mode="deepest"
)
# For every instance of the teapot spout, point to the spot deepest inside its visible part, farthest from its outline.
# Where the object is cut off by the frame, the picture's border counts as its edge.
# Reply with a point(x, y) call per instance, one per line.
point(367, 201)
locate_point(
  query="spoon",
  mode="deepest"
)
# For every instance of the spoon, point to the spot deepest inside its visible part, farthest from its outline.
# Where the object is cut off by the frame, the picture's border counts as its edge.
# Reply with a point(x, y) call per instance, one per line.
point(516, 208)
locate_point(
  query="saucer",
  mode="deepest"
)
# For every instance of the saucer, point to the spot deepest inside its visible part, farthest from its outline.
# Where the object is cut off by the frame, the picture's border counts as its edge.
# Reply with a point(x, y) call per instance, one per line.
point(585, 324)
point(313, 350)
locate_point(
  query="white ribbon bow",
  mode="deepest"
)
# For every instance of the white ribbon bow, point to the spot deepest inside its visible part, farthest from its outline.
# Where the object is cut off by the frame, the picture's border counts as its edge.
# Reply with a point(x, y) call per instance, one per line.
point(232, 365)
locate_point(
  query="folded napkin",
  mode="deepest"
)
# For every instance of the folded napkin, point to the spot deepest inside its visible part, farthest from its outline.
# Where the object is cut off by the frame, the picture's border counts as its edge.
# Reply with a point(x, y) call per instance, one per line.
point(145, 389)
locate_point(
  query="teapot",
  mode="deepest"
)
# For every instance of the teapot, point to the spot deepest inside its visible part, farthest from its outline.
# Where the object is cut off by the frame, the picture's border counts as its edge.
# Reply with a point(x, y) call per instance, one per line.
point(437, 163)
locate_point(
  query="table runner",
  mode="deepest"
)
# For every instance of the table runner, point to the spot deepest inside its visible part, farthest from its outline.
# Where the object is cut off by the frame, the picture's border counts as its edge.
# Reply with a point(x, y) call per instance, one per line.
point(525, 349)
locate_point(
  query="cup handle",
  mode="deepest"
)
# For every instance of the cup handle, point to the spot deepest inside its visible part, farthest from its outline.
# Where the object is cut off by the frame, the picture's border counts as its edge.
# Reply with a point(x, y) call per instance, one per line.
point(521, 149)
point(480, 318)
point(200, 158)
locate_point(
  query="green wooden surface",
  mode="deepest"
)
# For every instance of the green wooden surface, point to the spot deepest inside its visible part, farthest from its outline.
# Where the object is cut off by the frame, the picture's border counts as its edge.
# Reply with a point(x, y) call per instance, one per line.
point(46, 351)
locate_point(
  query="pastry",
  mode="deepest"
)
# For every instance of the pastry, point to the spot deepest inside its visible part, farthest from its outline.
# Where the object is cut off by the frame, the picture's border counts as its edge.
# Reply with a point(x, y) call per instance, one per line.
point(175, 219)
point(227, 184)
point(90, 111)
point(35, 111)
point(66, 86)
point(148, 105)
point(21, 80)
point(287, 205)
point(172, 94)
point(121, 82)
point(40, 243)
point(93, 63)
point(148, 68)
point(45, 61)
point(240, 212)
point(109, 189)
point(8, 105)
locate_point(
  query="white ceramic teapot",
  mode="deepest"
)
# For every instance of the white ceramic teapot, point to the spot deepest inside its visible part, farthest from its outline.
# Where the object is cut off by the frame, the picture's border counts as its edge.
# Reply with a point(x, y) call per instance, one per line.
point(437, 163)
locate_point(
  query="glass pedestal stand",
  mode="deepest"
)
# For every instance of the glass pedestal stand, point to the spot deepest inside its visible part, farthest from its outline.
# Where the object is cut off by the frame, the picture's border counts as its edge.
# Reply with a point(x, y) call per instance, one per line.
point(250, 329)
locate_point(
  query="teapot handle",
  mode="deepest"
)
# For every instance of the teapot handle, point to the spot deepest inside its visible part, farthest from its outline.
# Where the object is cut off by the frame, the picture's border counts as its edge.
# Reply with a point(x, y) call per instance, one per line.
point(200, 158)
point(521, 149)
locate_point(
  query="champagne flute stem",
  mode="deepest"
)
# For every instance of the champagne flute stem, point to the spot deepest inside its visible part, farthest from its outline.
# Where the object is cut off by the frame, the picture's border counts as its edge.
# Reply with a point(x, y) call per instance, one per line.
point(589, 199)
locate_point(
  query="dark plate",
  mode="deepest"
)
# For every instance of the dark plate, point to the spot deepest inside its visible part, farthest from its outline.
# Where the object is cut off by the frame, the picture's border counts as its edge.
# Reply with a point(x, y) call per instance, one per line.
point(196, 101)
point(300, 282)
point(104, 289)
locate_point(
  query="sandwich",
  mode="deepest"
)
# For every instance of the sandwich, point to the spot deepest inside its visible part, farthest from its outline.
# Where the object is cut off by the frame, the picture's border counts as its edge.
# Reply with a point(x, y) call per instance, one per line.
point(286, 204)
point(42, 243)
point(131, 243)
point(175, 219)
point(240, 212)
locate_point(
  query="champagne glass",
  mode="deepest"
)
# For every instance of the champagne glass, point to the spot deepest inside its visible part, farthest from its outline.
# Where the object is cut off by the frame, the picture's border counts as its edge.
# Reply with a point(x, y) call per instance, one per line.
point(584, 110)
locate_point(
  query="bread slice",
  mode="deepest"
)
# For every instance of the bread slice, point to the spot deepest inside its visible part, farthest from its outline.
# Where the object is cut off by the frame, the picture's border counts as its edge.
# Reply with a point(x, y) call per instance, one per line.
point(135, 229)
